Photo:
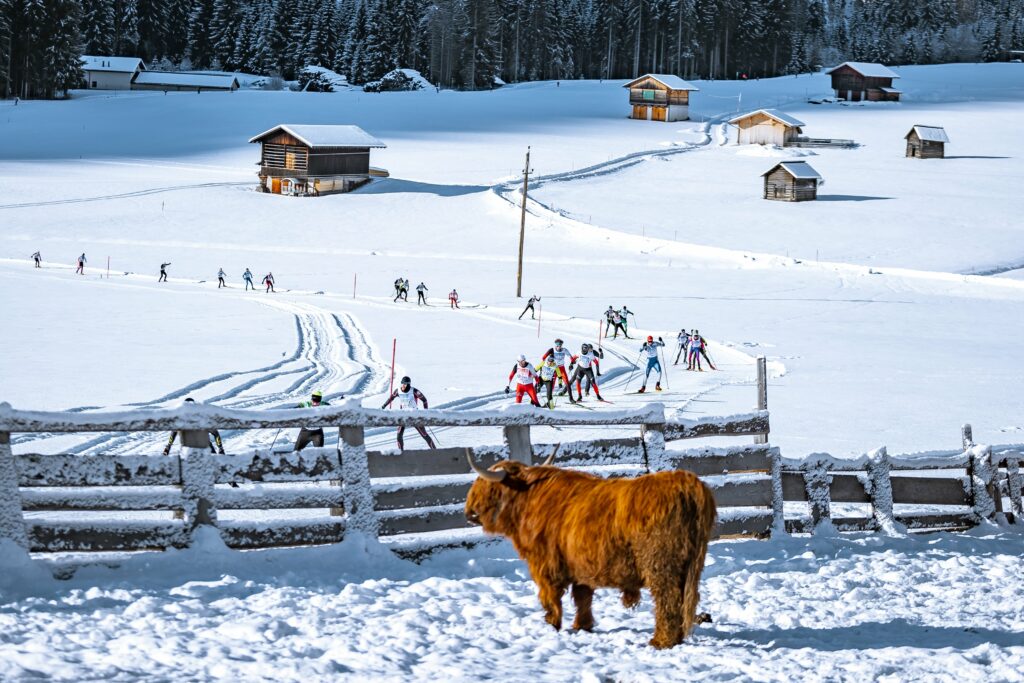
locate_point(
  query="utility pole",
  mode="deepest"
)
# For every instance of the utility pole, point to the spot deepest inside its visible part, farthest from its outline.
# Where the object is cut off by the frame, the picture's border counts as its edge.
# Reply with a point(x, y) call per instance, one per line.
point(522, 225)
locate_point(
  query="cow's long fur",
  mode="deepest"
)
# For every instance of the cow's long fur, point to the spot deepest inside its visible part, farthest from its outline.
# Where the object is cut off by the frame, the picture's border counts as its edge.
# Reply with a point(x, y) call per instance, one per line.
point(576, 529)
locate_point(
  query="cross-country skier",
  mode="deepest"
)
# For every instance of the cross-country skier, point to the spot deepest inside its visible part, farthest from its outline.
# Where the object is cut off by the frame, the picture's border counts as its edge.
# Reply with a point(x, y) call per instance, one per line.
point(408, 396)
point(529, 307)
point(421, 294)
point(650, 349)
point(37, 257)
point(213, 433)
point(696, 342)
point(618, 323)
point(311, 435)
point(453, 298)
point(609, 318)
point(562, 356)
point(163, 272)
point(268, 280)
point(548, 371)
point(247, 277)
point(81, 264)
point(624, 314)
point(704, 350)
point(405, 289)
point(683, 340)
point(526, 377)
point(586, 362)
point(398, 289)
point(220, 279)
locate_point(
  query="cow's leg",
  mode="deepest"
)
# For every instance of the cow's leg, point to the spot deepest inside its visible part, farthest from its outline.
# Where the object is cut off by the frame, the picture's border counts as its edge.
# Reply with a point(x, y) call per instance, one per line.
point(630, 597)
point(691, 595)
point(668, 610)
point(551, 600)
point(583, 597)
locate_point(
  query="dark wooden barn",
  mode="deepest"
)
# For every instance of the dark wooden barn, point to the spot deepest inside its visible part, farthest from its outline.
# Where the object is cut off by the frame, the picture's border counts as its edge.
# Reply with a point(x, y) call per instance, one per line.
point(791, 181)
point(659, 97)
point(315, 159)
point(856, 81)
point(926, 142)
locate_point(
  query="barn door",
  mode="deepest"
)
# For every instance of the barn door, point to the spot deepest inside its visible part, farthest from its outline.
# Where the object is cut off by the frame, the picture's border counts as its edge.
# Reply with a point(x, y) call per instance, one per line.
point(658, 113)
point(275, 185)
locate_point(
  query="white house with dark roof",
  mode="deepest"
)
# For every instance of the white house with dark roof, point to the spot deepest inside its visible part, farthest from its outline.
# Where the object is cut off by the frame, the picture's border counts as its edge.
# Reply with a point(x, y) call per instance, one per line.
point(660, 97)
point(766, 127)
point(110, 73)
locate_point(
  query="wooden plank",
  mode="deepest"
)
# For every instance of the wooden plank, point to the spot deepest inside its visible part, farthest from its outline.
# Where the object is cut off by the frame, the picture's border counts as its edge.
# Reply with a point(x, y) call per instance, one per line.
point(759, 525)
point(743, 493)
point(270, 497)
point(46, 498)
point(311, 532)
point(422, 496)
point(420, 521)
point(425, 463)
point(848, 488)
point(97, 470)
point(626, 450)
point(93, 536)
point(743, 426)
point(952, 520)
point(754, 459)
point(928, 490)
point(793, 488)
point(309, 464)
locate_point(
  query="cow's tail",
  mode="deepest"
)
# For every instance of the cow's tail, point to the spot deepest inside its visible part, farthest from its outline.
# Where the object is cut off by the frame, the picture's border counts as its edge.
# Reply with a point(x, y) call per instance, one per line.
point(707, 513)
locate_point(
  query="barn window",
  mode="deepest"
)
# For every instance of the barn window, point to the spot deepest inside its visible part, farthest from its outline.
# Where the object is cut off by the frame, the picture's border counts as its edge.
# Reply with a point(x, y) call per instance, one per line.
point(289, 160)
point(648, 94)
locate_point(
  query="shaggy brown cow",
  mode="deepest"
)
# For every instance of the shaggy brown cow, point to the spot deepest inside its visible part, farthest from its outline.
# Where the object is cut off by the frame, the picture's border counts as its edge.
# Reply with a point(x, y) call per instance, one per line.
point(574, 528)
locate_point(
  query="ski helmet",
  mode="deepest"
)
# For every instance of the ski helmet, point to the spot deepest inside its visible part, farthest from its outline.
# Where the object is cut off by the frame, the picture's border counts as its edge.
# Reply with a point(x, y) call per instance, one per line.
point(317, 395)
point(406, 380)
point(650, 338)
point(585, 347)
point(551, 359)
point(558, 342)
point(522, 358)
point(190, 400)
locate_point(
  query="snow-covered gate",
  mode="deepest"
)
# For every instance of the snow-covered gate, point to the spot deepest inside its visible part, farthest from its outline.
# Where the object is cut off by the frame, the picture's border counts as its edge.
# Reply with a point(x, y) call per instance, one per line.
point(74, 502)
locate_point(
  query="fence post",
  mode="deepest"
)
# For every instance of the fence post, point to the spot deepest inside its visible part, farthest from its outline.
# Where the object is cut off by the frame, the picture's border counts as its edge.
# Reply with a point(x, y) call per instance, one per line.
point(12, 520)
point(762, 393)
point(198, 476)
point(778, 501)
point(1013, 485)
point(517, 440)
point(653, 440)
point(356, 491)
point(817, 480)
point(880, 482)
point(982, 474)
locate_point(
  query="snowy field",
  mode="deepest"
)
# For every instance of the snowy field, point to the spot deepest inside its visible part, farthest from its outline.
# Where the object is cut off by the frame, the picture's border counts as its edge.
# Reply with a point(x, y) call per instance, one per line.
point(889, 311)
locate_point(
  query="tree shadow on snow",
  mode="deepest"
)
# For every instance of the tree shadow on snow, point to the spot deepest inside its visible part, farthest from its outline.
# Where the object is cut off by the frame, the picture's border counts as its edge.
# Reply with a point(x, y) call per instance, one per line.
point(973, 156)
point(848, 198)
point(873, 635)
point(396, 185)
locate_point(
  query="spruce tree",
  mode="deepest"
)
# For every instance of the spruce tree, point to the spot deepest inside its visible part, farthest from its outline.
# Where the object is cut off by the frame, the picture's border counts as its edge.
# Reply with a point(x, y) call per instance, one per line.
point(98, 27)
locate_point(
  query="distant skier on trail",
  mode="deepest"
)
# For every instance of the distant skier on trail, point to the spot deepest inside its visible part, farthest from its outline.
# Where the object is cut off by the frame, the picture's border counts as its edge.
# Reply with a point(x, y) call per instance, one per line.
point(650, 349)
point(529, 307)
point(213, 433)
point(453, 298)
point(247, 278)
point(38, 258)
point(408, 398)
point(220, 279)
point(311, 435)
point(624, 315)
point(683, 340)
point(269, 282)
point(163, 272)
point(526, 377)
point(618, 324)
point(702, 350)
point(586, 362)
point(405, 289)
point(562, 357)
point(421, 294)
point(398, 289)
point(609, 318)
point(81, 264)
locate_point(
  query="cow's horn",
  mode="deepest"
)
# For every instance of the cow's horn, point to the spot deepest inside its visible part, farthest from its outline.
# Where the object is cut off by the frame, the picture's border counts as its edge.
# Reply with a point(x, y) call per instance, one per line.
point(485, 473)
point(551, 458)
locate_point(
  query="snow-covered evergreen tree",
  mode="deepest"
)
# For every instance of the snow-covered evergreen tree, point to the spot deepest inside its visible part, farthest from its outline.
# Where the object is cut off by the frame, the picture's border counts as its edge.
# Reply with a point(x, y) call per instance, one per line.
point(98, 26)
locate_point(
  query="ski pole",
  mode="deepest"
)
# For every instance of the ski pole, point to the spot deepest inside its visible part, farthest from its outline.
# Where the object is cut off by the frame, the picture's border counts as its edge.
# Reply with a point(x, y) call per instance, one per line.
point(434, 436)
point(635, 366)
point(664, 365)
point(275, 439)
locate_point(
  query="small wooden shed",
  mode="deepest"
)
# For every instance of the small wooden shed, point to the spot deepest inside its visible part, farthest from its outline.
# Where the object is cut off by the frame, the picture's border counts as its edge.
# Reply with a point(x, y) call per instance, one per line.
point(791, 181)
point(926, 142)
point(766, 127)
point(315, 159)
point(660, 97)
point(856, 81)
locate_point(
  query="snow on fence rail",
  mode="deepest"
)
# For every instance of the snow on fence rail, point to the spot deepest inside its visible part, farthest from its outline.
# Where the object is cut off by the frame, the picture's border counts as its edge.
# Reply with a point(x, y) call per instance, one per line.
point(90, 498)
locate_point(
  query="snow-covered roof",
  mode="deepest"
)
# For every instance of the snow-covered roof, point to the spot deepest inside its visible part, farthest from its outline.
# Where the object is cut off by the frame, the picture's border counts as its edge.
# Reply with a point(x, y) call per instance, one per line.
point(191, 80)
point(126, 65)
point(891, 90)
point(869, 69)
point(929, 133)
point(800, 170)
point(773, 114)
point(325, 135)
point(668, 80)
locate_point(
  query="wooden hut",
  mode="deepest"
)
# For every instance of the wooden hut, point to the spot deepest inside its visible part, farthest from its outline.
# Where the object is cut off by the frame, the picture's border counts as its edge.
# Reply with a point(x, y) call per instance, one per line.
point(856, 81)
point(315, 160)
point(766, 127)
point(660, 97)
point(791, 181)
point(926, 142)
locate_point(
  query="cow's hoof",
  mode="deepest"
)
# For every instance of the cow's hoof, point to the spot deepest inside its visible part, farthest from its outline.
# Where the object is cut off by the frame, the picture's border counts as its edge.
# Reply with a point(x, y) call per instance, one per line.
point(662, 643)
point(630, 598)
point(703, 618)
point(583, 626)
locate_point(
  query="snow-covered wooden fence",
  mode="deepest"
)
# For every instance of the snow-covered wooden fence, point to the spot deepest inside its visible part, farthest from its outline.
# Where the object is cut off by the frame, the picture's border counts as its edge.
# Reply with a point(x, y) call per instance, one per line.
point(94, 501)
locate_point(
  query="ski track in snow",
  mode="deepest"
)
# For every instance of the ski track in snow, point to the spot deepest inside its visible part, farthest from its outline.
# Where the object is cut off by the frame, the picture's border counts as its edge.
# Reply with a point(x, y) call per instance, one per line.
point(124, 195)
